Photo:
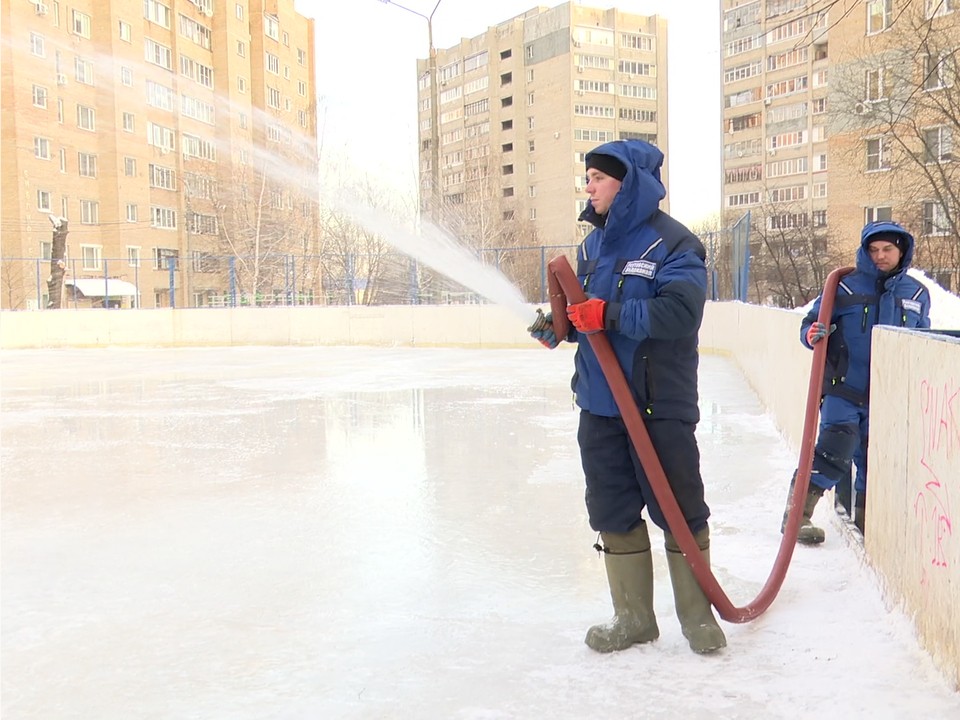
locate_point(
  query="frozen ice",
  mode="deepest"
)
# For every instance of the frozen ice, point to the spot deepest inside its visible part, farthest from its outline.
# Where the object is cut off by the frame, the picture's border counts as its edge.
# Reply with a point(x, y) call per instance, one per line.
point(354, 532)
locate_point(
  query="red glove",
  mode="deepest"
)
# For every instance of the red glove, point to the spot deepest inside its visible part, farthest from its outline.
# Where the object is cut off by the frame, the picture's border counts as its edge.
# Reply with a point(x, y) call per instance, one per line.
point(587, 317)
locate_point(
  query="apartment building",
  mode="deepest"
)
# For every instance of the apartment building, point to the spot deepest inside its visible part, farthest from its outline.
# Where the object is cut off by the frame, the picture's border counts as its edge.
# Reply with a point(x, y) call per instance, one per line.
point(168, 135)
point(505, 129)
point(817, 99)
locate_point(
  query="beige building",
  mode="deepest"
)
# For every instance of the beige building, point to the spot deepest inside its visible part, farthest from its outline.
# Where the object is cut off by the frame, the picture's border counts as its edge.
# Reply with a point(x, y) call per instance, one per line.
point(520, 105)
point(168, 135)
point(818, 99)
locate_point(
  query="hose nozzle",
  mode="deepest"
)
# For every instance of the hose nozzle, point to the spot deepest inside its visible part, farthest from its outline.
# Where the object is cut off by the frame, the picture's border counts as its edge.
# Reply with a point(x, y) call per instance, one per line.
point(539, 323)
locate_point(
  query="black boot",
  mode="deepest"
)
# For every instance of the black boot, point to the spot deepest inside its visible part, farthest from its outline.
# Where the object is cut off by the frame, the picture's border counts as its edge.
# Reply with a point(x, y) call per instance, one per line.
point(860, 511)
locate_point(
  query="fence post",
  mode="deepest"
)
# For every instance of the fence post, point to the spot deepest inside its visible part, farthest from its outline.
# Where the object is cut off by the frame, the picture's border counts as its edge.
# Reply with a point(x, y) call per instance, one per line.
point(348, 279)
point(39, 294)
point(233, 280)
point(171, 270)
point(543, 273)
point(414, 285)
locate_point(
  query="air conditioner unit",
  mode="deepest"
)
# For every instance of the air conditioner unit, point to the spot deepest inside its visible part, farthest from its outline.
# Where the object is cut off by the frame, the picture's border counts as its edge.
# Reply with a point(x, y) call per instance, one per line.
point(859, 108)
point(40, 9)
point(739, 153)
point(768, 101)
point(61, 79)
point(579, 68)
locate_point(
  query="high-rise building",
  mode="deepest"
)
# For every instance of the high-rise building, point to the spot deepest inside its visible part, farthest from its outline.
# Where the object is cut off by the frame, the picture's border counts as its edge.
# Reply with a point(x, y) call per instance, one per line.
point(168, 135)
point(519, 106)
point(835, 115)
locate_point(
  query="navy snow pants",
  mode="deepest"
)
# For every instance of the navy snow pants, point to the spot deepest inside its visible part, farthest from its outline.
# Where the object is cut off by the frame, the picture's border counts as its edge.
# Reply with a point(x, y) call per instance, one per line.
point(617, 486)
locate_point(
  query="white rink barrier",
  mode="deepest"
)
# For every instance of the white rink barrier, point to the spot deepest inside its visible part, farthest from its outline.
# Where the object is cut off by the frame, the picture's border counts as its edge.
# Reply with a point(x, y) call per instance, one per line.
point(913, 513)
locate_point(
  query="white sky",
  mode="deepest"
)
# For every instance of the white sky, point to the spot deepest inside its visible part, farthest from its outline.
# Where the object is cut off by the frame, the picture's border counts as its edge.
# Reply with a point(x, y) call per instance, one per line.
point(367, 99)
point(361, 533)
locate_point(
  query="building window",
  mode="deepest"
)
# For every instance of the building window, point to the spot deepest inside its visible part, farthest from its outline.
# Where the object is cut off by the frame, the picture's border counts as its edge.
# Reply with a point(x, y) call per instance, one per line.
point(37, 45)
point(241, 48)
point(877, 214)
point(86, 118)
point(87, 164)
point(158, 54)
point(241, 84)
point(132, 215)
point(157, 13)
point(877, 85)
point(301, 88)
point(530, 122)
point(81, 24)
point(133, 255)
point(89, 212)
point(90, 256)
point(531, 145)
point(124, 31)
point(130, 167)
point(878, 154)
point(39, 96)
point(161, 137)
point(43, 200)
point(129, 122)
point(271, 26)
point(878, 15)
point(273, 97)
point(162, 217)
point(242, 121)
point(239, 11)
point(935, 71)
point(83, 71)
point(301, 57)
point(63, 160)
point(507, 192)
point(935, 220)
point(937, 8)
point(41, 148)
point(126, 76)
point(937, 144)
point(163, 177)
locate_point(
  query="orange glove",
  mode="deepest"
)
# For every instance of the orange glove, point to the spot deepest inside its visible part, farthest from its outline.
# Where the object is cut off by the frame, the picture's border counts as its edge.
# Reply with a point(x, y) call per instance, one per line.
point(587, 317)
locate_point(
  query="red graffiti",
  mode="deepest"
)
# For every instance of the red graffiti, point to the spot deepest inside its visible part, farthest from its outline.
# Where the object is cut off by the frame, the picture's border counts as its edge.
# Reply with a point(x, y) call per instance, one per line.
point(940, 423)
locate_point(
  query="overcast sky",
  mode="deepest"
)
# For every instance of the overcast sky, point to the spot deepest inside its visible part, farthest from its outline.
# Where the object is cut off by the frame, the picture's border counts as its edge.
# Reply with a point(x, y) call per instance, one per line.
point(367, 114)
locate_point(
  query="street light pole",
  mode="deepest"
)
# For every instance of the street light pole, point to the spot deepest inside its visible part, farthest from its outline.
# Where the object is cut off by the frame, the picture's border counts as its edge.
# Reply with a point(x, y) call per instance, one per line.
point(434, 111)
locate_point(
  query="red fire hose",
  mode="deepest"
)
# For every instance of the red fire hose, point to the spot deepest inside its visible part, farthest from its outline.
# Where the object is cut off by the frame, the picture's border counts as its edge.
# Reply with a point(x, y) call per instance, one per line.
point(565, 288)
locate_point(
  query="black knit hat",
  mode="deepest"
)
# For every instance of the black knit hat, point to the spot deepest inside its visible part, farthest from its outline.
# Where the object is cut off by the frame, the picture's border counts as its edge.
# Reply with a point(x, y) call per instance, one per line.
point(607, 164)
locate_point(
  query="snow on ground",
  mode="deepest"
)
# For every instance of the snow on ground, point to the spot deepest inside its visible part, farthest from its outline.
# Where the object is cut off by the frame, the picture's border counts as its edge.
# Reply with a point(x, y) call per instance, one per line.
point(383, 533)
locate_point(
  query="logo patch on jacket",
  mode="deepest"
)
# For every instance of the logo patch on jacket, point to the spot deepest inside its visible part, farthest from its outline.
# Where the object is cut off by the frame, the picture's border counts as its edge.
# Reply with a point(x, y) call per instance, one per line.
point(911, 305)
point(643, 268)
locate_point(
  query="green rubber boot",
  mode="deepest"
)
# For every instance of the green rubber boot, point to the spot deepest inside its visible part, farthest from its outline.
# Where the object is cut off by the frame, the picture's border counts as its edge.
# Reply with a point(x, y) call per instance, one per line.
point(630, 575)
point(808, 534)
point(699, 626)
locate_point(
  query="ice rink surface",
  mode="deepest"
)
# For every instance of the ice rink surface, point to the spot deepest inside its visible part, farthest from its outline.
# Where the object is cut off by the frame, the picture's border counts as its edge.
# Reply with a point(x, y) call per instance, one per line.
point(391, 533)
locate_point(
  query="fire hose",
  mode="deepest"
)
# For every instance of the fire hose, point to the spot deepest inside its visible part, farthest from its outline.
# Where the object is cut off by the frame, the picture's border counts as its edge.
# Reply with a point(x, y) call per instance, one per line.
point(564, 288)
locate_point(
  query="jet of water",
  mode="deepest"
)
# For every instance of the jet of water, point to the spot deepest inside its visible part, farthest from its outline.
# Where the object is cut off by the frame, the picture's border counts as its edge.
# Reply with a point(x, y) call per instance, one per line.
point(442, 252)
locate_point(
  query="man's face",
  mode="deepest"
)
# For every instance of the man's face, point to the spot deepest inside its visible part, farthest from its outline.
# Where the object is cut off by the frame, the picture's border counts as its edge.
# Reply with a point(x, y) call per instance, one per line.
point(885, 255)
point(602, 189)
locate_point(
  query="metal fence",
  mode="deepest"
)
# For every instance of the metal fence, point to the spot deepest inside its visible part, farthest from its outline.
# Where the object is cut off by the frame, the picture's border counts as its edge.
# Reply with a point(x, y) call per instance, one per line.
point(204, 280)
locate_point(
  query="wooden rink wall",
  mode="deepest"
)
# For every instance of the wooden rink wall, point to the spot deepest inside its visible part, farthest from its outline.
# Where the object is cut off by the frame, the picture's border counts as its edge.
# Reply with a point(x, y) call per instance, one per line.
point(913, 513)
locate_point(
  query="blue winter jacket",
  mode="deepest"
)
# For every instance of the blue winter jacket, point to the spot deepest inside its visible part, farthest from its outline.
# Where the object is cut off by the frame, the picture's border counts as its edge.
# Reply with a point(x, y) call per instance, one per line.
point(650, 270)
point(868, 297)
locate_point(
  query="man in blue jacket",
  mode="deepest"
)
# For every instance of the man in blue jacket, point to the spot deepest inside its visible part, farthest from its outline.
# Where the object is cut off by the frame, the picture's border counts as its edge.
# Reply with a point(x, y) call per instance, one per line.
point(645, 279)
point(878, 292)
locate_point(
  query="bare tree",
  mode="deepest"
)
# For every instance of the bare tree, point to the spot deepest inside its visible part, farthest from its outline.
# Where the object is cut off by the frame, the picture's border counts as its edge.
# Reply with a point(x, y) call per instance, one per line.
point(904, 102)
point(58, 253)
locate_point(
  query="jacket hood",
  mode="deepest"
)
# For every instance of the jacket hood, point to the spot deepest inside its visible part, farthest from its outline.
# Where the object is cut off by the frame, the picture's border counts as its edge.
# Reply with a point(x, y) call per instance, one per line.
point(870, 231)
point(641, 191)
